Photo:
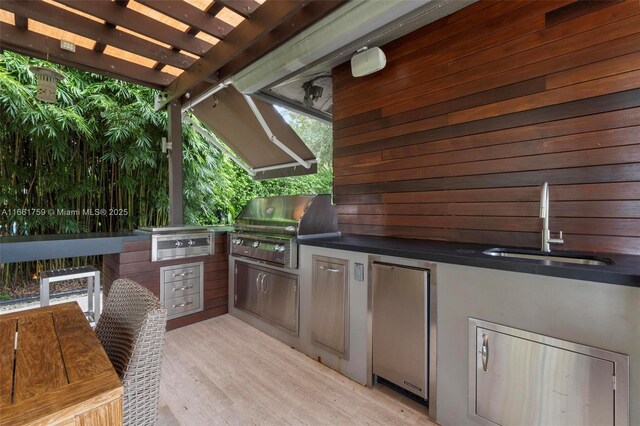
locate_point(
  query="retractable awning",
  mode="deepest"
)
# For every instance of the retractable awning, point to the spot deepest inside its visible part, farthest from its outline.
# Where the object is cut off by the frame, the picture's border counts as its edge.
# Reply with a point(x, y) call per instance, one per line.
point(256, 133)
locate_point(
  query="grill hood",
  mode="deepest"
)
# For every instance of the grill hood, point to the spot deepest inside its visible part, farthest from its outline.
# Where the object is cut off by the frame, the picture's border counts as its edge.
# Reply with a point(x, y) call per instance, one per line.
point(295, 215)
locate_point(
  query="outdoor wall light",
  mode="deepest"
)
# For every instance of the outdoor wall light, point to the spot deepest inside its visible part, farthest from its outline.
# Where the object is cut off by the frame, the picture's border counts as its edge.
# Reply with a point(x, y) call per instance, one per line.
point(311, 93)
point(47, 81)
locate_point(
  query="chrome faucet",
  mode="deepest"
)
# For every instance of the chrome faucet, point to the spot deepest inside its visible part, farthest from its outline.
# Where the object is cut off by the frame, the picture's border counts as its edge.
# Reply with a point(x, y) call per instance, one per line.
point(544, 215)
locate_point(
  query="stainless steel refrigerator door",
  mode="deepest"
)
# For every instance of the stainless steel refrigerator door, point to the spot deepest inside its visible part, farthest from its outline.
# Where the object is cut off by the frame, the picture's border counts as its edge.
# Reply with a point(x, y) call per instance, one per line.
point(400, 326)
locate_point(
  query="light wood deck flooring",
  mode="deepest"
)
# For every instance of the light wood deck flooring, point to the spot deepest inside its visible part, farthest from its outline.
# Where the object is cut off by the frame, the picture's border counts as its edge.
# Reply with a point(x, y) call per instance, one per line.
point(223, 371)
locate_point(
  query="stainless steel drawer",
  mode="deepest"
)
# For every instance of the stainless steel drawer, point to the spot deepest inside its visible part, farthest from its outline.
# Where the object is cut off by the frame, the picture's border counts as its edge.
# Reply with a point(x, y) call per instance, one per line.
point(181, 288)
point(180, 305)
point(180, 273)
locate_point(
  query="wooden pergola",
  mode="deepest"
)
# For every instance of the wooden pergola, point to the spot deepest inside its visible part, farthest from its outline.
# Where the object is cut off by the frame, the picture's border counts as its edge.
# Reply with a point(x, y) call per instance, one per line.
point(182, 47)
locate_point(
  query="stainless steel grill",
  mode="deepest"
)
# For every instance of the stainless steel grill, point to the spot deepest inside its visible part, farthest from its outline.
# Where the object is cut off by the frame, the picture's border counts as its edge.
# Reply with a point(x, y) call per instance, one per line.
point(268, 229)
point(177, 242)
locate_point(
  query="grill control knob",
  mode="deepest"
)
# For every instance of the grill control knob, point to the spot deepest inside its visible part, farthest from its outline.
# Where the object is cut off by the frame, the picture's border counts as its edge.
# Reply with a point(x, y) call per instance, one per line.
point(279, 248)
point(255, 244)
point(237, 241)
point(191, 242)
point(178, 243)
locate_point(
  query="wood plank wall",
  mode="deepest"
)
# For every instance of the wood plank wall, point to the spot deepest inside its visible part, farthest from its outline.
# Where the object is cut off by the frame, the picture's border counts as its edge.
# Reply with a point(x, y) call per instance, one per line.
point(473, 112)
point(135, 263)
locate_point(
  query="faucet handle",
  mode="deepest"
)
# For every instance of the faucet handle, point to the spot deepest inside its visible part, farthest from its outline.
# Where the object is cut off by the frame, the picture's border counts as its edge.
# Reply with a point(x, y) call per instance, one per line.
point(558, 240)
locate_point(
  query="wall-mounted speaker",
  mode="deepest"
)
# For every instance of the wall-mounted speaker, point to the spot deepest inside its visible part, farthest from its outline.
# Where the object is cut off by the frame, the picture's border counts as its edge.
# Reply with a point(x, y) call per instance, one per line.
point(367, 62)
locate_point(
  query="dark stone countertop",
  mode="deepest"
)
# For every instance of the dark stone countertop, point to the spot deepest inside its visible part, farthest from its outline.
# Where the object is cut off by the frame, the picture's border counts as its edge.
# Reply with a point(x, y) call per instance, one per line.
point(40, 247)
point(624, 271)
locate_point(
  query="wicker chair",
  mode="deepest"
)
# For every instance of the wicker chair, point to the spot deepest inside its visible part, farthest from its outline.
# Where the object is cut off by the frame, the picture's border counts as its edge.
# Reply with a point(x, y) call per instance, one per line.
point(131, 330)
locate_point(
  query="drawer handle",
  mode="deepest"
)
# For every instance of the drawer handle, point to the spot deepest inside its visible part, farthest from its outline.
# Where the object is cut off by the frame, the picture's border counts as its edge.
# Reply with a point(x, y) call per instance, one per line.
point(180, 305)
point(183, 274)
point(485, 352)
point(324, 268)
point(183, 288)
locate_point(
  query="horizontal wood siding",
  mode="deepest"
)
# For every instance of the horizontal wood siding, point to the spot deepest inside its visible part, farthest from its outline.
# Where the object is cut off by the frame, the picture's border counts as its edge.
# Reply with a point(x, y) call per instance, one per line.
point(135, 263)
point(452, 140)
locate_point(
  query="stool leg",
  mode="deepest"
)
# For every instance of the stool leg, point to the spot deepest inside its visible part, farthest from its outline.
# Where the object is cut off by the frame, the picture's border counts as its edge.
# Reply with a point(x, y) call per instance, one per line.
point(90, 288)
point(44, 291)
point(96, 294)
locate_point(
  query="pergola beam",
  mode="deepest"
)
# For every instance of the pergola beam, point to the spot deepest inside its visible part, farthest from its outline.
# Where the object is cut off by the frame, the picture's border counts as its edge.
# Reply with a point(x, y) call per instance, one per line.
point(266, 18)
point(243, 8)
point(43, 47)
point(140, 23)
point(103, 34)
point(186, 13)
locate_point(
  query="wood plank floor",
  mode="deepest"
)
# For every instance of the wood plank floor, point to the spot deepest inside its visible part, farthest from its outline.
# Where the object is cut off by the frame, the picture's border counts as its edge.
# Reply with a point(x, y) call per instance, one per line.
point(223, 371)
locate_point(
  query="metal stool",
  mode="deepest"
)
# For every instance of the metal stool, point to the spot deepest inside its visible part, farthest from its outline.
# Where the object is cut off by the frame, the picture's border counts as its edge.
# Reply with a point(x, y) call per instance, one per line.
point(93, 287)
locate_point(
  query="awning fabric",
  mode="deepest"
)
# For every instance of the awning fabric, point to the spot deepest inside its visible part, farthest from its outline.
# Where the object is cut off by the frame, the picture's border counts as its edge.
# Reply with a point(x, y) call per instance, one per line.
point(228, 115)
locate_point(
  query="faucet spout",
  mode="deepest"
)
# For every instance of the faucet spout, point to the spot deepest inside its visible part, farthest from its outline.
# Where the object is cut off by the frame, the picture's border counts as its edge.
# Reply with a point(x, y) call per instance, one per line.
point(546, 240)
point(544, 201)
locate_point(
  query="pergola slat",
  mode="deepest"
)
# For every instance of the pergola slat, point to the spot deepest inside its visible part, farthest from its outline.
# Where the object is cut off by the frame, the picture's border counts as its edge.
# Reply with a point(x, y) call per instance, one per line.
point(243, 8)
point(43, 47)
point(103, 34)
point(140, 23)
point(266, 18)
point(190, 15)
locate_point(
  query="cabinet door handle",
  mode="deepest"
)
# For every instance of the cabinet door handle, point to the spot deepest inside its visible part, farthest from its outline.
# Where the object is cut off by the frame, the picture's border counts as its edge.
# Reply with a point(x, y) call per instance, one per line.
point(183, 274)
point(262, 285)
point(183, 288)
point(485, 352)
point(324, 268)
point(180, 305)
point(258, 287)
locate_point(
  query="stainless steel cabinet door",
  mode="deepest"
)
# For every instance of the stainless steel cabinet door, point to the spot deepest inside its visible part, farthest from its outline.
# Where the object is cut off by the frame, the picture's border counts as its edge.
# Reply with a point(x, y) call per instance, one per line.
point(280, 299)
point(247, 287)
point(330, 301)
point(524, 382)
point(400, 326)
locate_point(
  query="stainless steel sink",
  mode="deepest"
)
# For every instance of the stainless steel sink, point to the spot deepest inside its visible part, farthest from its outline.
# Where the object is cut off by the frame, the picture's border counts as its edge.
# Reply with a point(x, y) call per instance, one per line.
point(549, 257)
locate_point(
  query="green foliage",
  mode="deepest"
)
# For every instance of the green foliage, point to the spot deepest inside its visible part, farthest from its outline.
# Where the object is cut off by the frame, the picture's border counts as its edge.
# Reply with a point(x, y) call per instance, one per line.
point(98, 147)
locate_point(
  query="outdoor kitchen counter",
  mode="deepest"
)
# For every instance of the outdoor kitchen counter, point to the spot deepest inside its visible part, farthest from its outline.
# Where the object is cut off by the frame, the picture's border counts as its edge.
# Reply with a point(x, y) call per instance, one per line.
point(624, 271)
point(41, 247)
